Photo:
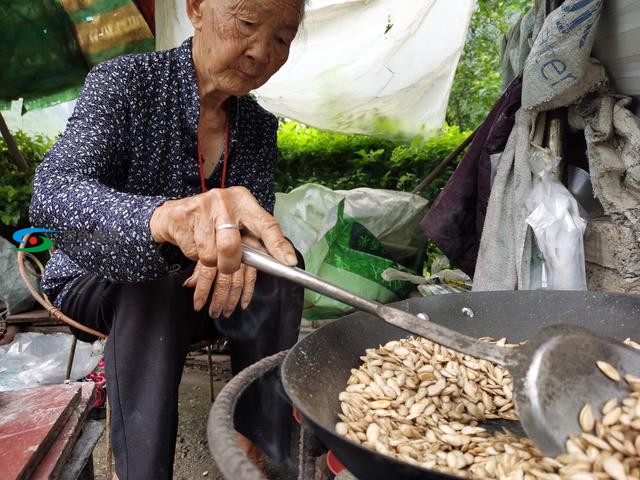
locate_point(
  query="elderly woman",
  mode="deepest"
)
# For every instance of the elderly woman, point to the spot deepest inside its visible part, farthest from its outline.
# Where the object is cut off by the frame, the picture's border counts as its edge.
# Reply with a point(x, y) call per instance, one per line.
point(165, 168)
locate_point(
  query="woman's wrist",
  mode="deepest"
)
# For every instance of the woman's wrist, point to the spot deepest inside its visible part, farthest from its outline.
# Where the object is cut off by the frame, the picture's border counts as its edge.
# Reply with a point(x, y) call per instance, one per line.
point(158, 221)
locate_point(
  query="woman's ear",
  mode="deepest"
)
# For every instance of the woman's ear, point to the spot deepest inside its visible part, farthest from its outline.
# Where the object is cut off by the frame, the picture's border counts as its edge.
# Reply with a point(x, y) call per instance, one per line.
point(195, 12)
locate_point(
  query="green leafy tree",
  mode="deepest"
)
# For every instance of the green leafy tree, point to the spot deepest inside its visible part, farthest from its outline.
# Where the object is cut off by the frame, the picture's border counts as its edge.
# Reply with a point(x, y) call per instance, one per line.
point(477, 83)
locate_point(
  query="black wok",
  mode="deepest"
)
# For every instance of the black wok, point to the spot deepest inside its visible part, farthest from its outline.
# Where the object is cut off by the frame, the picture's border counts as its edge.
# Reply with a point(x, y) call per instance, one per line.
point(316, 370)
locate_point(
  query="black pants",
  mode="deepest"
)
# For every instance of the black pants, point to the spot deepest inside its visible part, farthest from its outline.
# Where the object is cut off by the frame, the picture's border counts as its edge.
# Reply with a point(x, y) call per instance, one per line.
point(150, 327)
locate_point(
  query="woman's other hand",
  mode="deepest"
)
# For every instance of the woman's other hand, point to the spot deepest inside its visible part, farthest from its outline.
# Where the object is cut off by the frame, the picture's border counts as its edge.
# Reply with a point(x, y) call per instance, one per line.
point(193, 224)
point(228, 289)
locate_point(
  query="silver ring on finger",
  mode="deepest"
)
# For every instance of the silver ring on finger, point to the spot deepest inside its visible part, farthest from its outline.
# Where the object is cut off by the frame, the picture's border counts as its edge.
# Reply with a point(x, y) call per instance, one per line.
point(226, 226)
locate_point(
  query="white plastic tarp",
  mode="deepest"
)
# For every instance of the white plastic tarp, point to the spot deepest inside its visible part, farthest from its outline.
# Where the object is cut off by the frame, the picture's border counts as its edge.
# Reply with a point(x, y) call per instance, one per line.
point(360, 66)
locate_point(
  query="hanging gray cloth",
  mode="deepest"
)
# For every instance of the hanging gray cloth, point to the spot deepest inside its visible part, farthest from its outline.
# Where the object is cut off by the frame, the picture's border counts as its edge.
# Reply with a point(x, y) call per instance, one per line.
point(558, 72)
point(612, 133)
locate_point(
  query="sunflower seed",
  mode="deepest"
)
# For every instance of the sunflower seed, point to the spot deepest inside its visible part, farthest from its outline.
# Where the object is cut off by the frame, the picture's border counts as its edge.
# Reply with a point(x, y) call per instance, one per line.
point(609, 370)
point(586, 418)
point(613, 467)
point(426, 401)
point(612, 417)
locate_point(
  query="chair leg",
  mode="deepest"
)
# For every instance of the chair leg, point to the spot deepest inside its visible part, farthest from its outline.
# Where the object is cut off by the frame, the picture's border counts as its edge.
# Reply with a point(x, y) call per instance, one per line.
point(212, 393)
point(72, 353)
point(108, 440)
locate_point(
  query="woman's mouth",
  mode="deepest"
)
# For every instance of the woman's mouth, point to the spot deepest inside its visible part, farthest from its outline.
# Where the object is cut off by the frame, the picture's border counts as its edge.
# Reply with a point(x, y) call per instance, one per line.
point(246, 76)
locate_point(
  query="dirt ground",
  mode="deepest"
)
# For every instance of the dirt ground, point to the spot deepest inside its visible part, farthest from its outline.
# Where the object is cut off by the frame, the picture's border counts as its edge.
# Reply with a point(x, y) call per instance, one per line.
point(192, 460)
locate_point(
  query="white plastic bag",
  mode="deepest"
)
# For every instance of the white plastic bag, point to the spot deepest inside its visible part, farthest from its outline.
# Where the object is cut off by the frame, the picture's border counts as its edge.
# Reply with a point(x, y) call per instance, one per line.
point(34, 359)
point(559, 229)
point(309, 211)
point(350, 237)
point(14, 295)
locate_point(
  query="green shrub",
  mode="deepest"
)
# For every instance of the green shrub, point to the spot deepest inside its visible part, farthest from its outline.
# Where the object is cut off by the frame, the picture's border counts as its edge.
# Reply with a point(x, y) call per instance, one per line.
point(15, 186)
point(307, 155)
point(341, 161)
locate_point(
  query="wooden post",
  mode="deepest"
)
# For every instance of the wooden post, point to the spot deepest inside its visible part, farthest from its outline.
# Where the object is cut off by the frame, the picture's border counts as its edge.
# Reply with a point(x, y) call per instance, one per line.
point(557, 125)
point(13, 148)
point(555, 144)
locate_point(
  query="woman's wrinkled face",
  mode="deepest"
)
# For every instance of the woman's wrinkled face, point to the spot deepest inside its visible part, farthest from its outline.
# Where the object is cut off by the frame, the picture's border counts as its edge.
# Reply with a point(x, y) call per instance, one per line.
point(240, 44)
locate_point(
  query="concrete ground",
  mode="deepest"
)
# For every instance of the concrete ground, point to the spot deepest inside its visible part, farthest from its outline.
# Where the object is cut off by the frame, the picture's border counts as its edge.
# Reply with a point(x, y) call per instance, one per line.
point(193, 460)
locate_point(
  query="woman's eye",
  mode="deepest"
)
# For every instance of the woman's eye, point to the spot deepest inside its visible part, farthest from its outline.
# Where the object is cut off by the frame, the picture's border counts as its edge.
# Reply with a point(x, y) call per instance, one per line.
point(246, 27)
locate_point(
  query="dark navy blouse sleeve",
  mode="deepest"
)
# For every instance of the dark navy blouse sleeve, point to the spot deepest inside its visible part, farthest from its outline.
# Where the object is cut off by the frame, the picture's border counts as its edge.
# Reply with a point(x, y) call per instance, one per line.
point(103, 230)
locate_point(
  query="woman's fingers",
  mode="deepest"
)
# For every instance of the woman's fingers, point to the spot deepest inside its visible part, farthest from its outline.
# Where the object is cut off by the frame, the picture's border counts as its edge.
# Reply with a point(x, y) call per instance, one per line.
point(260, 224)
point(220, 294)
point(229, 246)
point(276, 244)
point(250, 277)
point(229, 290)
point(192, 281)
point(217, 241)
point(235, 292)
point(205, 280)
point(204, 240)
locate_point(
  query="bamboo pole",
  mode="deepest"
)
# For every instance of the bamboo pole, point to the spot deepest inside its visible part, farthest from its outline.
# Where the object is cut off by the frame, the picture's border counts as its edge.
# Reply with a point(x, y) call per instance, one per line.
point(444, 164)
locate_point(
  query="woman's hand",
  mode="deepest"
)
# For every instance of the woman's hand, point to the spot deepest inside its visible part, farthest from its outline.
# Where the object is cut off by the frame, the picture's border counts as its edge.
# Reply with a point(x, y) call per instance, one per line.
point(191, 224)
point(228, 291)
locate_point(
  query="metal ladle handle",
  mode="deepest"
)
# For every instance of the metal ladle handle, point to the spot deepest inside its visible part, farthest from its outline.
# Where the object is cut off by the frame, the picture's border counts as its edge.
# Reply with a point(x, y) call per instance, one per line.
point(268, 264)
point(420, 326)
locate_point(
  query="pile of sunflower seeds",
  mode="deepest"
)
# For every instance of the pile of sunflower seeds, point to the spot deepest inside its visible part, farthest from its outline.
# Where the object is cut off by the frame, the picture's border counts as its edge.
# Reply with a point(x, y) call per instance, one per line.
point(422, 403)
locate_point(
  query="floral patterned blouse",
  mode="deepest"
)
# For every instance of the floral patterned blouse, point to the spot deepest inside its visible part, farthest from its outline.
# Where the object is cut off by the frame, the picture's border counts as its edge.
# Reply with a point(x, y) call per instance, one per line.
point(128, 147)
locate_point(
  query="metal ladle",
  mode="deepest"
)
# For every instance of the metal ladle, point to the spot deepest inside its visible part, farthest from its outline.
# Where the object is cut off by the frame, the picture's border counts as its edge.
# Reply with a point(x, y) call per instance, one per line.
point(554, 372)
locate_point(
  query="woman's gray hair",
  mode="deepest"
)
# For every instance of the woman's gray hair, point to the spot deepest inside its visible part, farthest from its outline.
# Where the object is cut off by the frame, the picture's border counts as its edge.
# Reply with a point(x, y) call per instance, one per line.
point(305, 4)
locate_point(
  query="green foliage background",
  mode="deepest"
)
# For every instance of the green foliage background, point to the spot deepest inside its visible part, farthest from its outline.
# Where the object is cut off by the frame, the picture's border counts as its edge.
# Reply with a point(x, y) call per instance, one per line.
point(477, 84)
point(15, 186)
point(343, 162)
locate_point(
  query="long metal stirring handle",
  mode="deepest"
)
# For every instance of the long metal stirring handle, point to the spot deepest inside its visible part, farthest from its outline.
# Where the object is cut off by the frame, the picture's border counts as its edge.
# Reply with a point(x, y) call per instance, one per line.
point(268, 264)
point(423, 327)
point(445, 336)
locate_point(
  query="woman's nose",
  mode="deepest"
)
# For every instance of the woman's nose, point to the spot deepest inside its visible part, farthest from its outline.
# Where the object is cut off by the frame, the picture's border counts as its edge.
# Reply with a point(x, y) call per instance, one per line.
point(259, 51)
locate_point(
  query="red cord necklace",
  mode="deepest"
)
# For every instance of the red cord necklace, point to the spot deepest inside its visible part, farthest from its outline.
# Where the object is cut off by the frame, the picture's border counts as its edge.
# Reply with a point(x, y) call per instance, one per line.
point(203, 183)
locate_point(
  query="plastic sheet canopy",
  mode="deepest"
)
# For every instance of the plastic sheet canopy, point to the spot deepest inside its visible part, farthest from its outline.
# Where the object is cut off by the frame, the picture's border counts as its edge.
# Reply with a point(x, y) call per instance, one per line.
point(360, 66)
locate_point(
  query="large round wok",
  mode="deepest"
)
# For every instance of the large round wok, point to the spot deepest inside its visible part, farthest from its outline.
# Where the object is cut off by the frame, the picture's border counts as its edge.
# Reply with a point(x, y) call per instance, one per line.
point(316, 370)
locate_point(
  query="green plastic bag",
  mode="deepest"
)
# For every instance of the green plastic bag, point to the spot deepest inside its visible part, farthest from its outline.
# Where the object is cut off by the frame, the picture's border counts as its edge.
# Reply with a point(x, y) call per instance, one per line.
point(40, 58)
point(47, 47)
point(350, 256)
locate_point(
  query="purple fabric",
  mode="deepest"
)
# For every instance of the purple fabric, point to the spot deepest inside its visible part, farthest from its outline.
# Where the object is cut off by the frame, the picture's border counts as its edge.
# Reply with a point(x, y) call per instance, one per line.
point(455, 220)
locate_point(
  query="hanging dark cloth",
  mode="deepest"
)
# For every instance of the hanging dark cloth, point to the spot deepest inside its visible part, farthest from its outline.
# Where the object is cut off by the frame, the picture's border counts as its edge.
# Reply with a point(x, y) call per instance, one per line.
point(148, 10)
point(455, 220)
